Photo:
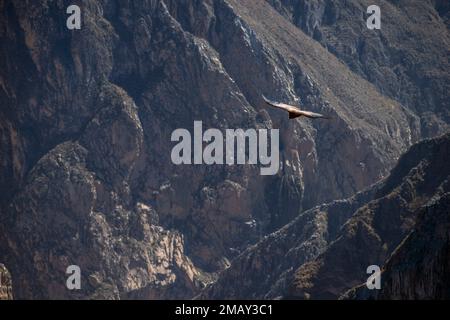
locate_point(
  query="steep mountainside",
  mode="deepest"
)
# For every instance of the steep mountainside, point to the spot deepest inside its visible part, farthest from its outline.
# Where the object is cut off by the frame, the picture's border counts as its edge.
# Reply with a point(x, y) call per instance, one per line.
point(377, 228)
point(407, 59)
point(420, 267)
point(86, 118)
point(321, 254)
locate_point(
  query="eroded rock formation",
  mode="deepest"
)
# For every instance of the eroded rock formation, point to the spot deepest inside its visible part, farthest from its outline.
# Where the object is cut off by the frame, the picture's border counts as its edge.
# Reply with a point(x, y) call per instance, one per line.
point(326, 250)
point(86, 117)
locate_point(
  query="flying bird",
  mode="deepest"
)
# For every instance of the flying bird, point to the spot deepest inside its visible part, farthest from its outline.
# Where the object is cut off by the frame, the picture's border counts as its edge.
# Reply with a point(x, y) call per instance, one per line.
point(294, 112)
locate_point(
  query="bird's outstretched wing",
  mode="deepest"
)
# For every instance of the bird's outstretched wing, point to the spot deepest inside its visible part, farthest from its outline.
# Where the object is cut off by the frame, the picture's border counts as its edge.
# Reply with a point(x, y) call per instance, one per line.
point(294, 112)
point(313, 115)
point(281, 105)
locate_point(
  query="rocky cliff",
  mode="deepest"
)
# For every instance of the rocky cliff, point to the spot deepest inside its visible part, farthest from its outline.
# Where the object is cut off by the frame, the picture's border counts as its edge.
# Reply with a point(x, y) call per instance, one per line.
point(407, 59)
point(419, 267)
point(400, 223)
point(86, 176)
point(376, 229)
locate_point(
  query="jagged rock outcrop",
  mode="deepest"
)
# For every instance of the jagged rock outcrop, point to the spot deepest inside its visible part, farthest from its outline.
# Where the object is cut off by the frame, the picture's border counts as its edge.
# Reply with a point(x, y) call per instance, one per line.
point(86, 117)
point(326, 250)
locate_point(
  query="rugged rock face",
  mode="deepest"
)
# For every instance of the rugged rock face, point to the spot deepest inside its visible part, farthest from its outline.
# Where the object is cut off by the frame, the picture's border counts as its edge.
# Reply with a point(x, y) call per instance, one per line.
point(86, 119)
point(378, 227)
point(407, 59)
point(419, 267)
point(76, 209)
point(321, 254)
point(5, 284)
point(265, 270)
